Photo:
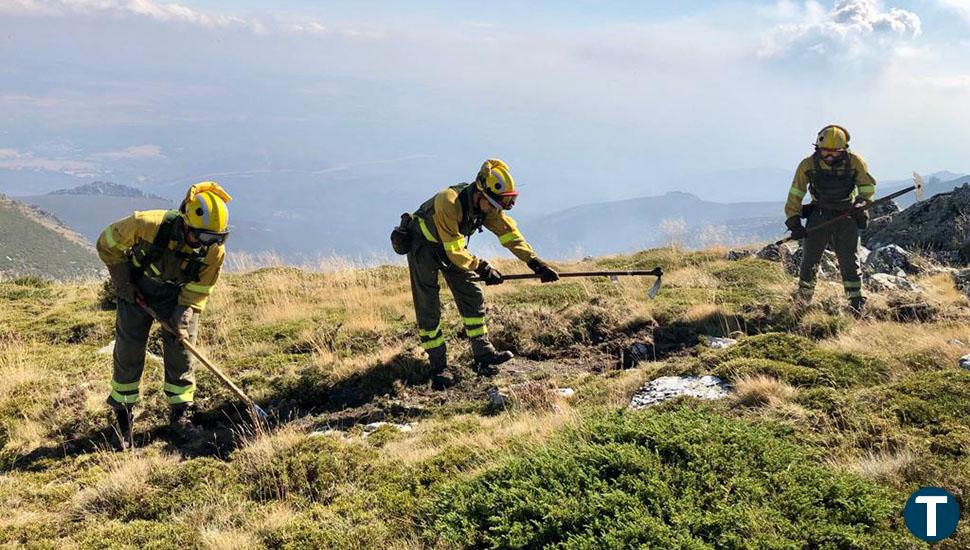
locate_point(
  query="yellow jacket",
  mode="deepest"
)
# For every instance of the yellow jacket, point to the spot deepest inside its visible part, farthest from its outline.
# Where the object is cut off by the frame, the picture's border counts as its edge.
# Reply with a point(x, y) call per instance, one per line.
point(139, 231)
point(450, 226)
point(865, 184)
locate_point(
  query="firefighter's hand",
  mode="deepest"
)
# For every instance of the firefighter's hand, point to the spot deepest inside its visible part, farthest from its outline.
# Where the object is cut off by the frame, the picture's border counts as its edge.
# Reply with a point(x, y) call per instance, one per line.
point(180, 319)
point(794, 223)
point(489, 274)
point(861, 203)
point(546, 274)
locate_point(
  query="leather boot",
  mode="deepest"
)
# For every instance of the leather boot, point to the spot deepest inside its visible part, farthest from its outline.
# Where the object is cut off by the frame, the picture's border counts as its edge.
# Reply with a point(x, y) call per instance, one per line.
point(180, 424)
point(486, 357)
point(442, 377)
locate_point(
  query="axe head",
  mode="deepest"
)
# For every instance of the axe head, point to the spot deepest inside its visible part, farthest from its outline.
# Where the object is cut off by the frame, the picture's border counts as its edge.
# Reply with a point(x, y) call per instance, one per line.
point(654, 290)
point(918, 184)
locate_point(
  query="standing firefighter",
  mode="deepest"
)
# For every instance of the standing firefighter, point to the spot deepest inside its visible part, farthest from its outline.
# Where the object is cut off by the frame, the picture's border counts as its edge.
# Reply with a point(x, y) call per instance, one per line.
point(171, 259)
point(839, 181)
point(439, 233)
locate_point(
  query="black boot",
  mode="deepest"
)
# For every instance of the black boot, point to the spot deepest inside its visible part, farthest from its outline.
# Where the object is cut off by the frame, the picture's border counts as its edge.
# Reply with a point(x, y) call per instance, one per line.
point(857, 305)
point(486, 357)
point(124, 437)
point(179, 423)
point(442, 377)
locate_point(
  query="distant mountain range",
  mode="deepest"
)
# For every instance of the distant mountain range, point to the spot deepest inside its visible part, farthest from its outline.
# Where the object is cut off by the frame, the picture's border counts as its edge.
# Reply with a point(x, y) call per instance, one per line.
point(88, 209)
point(32, 243)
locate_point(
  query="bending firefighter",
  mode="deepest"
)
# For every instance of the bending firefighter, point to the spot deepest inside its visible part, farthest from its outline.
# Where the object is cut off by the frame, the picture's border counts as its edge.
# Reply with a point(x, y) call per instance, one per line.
point(171, 260)
point(839, 182)
point(435, 238)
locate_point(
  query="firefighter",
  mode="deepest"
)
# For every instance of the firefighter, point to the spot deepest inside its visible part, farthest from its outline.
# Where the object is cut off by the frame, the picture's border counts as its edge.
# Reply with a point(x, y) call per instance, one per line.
point(171, 260)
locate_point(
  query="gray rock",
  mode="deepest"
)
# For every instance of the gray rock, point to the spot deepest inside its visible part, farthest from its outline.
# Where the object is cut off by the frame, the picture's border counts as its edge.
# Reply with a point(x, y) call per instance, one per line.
point(939, 226)
point(892, 259)
point(772, 253)
point(374, 426)
point(828, 267)
point(668, 387)
point(965, 362)
point(883, 209)
point(716, 342)
point(961, 279)
point(735, 255)
point(496, 399)
point(566, 392)
point(882, 282)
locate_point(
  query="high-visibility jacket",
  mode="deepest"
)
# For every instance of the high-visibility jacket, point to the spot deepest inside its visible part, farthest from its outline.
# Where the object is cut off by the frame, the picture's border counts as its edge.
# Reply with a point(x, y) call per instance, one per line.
point(831, 186)
point(449, 218)
point(132, 240)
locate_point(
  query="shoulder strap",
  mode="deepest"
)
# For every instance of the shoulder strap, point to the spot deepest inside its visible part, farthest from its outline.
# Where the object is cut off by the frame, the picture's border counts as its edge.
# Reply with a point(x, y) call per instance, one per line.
point(164, 235)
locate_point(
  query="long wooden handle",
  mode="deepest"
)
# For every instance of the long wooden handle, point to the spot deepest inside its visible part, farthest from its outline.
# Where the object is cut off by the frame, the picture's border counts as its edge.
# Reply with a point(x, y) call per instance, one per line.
point(195, 351)
point(655, 272)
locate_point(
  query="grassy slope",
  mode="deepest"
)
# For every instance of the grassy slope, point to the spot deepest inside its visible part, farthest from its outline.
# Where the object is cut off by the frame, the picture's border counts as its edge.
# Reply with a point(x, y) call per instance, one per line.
point(30, 245)
point(832, 425)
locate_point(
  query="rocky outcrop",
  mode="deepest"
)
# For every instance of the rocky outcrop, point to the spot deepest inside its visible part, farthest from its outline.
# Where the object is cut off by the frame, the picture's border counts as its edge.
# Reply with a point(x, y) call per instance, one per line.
point(892, 259)
point(939, 227)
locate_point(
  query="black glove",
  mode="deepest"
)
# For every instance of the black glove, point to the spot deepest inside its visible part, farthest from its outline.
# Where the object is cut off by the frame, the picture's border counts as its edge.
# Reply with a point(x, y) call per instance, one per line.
point(121, 279)
point(489, 274)
point(180, 319)
point(794, 223)
point(546, 274)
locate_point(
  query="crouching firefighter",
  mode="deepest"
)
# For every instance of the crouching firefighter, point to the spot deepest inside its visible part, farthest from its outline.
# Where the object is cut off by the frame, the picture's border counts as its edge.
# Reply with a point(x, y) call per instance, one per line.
point(171, 260)
point(839, 182)
point(435, 238)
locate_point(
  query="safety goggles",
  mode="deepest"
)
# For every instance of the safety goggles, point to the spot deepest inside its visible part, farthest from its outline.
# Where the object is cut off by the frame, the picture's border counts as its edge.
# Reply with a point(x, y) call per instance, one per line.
point(504, 202)
point(208, 238)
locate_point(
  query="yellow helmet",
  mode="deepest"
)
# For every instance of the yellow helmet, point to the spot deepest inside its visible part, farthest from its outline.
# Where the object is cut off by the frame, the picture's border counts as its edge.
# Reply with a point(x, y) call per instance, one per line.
point(833, 137)
point(495, 180)
point(204, 208)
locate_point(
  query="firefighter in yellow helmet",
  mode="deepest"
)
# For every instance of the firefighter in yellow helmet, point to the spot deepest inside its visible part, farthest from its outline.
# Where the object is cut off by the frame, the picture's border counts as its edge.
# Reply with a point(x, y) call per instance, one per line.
point(171, 260)
point(839, 181)
point(436, 239)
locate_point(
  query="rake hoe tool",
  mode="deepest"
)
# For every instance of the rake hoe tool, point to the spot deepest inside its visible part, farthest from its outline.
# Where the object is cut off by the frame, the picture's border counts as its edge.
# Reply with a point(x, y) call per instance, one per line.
point(917, 186)
point(258, 414)
point(652, 293)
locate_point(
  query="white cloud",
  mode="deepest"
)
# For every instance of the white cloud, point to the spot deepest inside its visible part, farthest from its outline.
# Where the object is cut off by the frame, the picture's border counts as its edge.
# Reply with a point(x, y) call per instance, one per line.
point(160, 11)
point(852, 29)
point(135, 152)
point(961, 7)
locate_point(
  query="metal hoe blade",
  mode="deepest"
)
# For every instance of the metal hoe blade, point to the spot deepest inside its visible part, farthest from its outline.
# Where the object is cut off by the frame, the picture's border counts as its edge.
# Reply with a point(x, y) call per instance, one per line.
point(655, 289)
point(918, 183)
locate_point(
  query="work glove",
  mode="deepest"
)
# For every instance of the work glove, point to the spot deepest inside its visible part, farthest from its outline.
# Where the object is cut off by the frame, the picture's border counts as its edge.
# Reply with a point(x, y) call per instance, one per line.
point(546, 274)
point(180, 319)
point(121, 279)
point(794, 223)
point(861, 203)
point(489, 274)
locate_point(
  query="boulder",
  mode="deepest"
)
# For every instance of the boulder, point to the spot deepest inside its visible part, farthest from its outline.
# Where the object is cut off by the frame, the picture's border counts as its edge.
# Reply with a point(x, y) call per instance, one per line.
point(668, 387)
point(882, 282)
point(716, 342)
point(892, 259)
point(735, 255)
point(828, 268)
point(883, 209)
point(961, 279)
point(938, 226)
point(965, 362)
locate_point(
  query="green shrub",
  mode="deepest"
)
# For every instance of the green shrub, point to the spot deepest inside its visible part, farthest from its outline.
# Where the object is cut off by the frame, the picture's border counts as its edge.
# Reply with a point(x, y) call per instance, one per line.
point(836, 369)
point(742, 366)
point(687, 478)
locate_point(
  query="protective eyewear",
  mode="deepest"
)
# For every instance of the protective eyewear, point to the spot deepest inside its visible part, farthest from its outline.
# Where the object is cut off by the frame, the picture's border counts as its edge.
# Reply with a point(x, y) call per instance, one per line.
point(505, 202)
point(208, 238)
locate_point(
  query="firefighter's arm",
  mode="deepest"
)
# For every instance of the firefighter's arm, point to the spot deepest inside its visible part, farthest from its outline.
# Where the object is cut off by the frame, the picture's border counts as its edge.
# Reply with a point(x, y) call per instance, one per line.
point(865, 183)
point(509, 235)
point(196, 294)
point(121, 235)
point(799, 187)
point(447, 212)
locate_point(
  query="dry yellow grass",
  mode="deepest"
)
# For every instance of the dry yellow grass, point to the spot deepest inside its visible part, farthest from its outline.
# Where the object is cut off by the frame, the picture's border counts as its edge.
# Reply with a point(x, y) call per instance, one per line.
point(762, 391)
point(879, 466)
point(126, 481)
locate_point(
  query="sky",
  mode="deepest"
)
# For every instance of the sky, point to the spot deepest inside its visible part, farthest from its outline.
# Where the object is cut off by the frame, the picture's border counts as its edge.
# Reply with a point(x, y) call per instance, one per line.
point(586, 100)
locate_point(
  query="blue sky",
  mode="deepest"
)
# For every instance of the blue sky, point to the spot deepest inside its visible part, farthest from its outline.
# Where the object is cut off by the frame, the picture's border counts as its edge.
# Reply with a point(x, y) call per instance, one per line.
point(586, 100)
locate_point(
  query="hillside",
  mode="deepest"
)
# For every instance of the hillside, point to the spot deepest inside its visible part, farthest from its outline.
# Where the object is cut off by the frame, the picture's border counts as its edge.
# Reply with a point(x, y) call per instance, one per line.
point(34, 244)
point(831, 424)
point(88, 209)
